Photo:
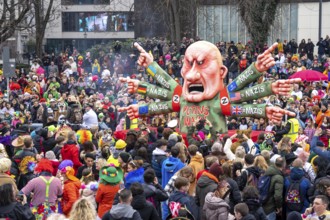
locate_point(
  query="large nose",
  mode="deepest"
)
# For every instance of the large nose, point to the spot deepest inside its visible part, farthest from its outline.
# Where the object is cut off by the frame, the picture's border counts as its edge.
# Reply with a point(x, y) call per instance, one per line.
point(193, 74)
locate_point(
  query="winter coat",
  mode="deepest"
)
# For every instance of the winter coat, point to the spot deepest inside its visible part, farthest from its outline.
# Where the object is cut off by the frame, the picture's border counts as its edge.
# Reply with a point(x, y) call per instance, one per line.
point(234, 195)
point(197, 164)
point(70, 151)
point(215, 208)
point(185, 200)
point(170, 166)
point(70, 195)
point(158, 157)
point(255, 209)
point(206, 183)
point(275, 200)
point(297, 174)
point(122, 212)
point(146, 209)
point(16, 211)
point(158, 194)
point(135, 176)
point(104, 197)
point(242, 180)
point(248, 217)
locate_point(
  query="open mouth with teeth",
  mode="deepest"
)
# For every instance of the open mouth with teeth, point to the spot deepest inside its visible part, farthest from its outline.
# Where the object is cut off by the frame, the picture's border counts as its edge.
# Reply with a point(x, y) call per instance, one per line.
point(196, 88)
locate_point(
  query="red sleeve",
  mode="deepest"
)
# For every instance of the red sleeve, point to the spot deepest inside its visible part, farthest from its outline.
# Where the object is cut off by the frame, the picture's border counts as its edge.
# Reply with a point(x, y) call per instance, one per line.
point(72, 197)
point(75, 159)
point(99, 194)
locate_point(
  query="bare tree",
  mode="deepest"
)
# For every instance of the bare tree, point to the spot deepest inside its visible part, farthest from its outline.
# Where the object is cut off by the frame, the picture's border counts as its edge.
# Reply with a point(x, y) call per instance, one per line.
point(13, 16)
point(258, 16)
point(177, 16)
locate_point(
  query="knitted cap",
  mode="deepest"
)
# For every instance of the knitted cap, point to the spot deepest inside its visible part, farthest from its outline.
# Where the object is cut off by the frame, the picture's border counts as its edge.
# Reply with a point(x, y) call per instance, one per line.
point(125, 156)
point(216, 170)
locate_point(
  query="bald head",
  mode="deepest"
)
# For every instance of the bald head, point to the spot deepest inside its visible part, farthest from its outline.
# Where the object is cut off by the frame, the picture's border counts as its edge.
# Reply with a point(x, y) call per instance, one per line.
point(206, 46)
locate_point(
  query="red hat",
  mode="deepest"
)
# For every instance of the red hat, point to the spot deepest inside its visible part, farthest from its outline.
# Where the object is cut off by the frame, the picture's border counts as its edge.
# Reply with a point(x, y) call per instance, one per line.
point(105, 107)
point(317, 97)
point(94, 78)
point(119, 135)
point(42, 100)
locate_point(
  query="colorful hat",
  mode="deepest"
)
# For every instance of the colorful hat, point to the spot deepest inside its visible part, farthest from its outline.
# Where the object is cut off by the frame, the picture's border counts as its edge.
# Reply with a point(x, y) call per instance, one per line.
point(19, 141)
point(27, 165)
point(84, 135)
point(111, 175)
point(120, 144)
point(65, 163)
point(69, 172)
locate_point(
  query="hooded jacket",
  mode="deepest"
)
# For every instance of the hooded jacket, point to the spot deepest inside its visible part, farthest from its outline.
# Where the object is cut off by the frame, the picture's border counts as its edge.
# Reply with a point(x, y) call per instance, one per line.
point(274, 201)
point(16, 211)
point(158, 194)
point(187, 201)
point(215, 208)
point(197, 164)
point(133, 177)
point(122, 212)
point(242, 180)
point(105, 196)
point(297, 174)
point(207, 183)
point(170, 166)
point(158, 157)
point(248, 217)
point(70, 151)
point(255, 209)
point(70, 195)
point(146, 210)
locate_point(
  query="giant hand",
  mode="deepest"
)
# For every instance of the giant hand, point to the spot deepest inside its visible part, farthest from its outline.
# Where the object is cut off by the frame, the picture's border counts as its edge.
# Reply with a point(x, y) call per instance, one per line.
point(276, 114)
point(145, 58)
point(133, 84)
point(132, 111)
point(266, 60)
point(283, 87)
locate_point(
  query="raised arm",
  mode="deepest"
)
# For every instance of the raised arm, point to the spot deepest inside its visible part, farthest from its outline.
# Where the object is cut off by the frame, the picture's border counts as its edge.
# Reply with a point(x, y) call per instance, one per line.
point(134, 111)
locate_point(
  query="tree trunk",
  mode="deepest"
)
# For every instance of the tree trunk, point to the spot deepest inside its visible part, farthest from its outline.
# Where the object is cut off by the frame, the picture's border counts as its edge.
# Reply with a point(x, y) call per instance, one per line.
point(177, 23)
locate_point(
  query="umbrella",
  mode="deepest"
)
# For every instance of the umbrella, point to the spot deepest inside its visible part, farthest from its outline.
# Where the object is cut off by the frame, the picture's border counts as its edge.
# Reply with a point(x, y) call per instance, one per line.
point(309, 75)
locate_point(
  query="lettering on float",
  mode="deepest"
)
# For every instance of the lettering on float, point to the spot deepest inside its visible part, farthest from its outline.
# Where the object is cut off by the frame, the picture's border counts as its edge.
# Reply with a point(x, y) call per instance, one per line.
point(252, 110)
point(191, 114)
point(162, 81)
point(242, 77)
point(157, 91)
point(158, 107)
point(254, 91)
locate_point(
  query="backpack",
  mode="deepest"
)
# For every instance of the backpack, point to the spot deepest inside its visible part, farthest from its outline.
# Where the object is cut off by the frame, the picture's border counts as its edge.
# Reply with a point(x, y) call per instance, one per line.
point(178, 210)
point(293, 197)
point(263, 188)
point(252, 179)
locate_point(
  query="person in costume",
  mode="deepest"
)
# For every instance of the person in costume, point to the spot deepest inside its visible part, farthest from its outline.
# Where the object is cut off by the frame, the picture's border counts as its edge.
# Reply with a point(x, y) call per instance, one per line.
point(46, 190)
point(70, 190)
point(203, 94)
point(110, 178)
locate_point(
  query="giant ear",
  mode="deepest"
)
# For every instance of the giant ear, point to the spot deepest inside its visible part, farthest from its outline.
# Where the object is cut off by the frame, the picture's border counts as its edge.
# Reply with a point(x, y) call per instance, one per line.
point(223, 71)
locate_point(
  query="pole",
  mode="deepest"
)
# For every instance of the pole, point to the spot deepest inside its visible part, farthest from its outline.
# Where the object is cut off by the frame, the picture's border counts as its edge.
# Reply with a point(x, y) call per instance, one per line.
point(320, 19)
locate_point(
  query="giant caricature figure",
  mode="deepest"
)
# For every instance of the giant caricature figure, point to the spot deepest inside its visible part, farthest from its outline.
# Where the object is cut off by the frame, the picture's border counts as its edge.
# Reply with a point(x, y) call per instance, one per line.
point(203, 94)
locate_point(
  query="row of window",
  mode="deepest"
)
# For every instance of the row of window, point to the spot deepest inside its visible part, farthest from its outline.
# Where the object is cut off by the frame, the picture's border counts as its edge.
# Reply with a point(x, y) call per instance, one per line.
point(97, 21)
point(85, 2)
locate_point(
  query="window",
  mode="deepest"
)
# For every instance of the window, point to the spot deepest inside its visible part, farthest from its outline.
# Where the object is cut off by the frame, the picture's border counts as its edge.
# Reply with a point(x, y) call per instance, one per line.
point(97, 21)
point(85, 2)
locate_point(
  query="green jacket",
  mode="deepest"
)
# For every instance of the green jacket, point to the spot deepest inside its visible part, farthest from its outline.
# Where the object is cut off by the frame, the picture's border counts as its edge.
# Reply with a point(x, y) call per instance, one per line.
point(275, 200)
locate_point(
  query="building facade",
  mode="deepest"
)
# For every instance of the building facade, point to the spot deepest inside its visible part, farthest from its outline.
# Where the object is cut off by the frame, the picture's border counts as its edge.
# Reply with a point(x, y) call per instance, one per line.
point(219, 20)
point(81, 24)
